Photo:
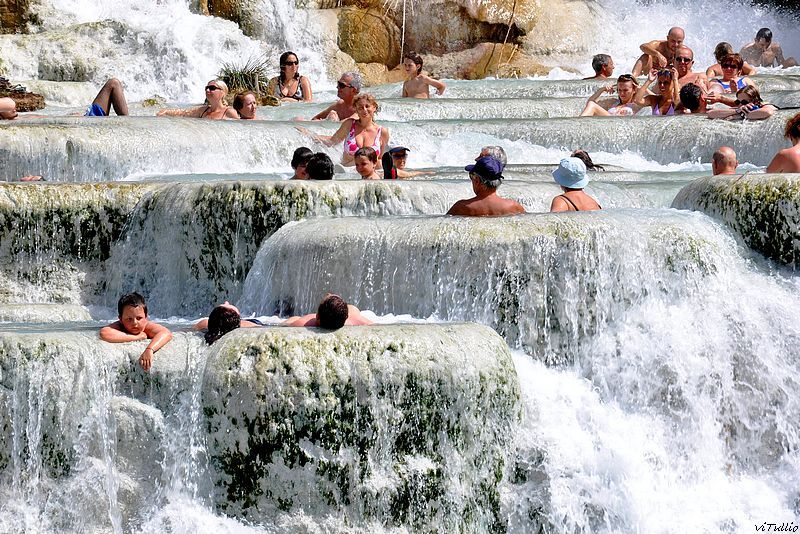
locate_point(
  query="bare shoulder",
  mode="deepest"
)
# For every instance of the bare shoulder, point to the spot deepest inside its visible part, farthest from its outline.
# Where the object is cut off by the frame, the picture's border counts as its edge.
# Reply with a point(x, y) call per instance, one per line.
point(304, 320)
point(154, 328)
point(461, 207)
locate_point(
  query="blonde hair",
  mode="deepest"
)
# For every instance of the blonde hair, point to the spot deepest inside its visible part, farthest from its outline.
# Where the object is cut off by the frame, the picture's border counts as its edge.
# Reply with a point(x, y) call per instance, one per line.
point(222, 85)
point(369, 98)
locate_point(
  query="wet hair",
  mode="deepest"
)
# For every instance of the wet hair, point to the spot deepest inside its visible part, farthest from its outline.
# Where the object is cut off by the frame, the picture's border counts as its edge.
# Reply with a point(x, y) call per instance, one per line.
point(599, 61)
point(690, 96)
point(733, 58)
point(416, 58)
point(355, 79)
point(320, 167)
point(238, 100)
point(752, 92)
point(587, 160)
point(133, 300)
point(221, 320)
point(367, 152)
point(792, 131)
point(332, 312)
point(301, 156)
point(721, 50)
point(764, 33)
point(369, 98)
point(497, 153)
point(282, 61)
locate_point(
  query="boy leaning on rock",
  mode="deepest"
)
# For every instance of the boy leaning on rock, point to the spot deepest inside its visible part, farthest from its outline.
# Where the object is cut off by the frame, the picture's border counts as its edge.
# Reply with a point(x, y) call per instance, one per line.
point(133, 325)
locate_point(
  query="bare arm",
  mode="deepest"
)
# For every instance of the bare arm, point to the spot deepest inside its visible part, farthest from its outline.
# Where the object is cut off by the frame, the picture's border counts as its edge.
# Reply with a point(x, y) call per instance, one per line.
point(305, 320)
point(748, 69)
point(324, 113)
point(779, 56)
point(231, 113)
point(329, 140)
point(652, 49)
point(159, 336)
point(676, 87)
point(643, 94)
point(192, 112)
point(764, 112)
point(439, 86)
point(305, 87)
point(711, 71)
point(114, 333)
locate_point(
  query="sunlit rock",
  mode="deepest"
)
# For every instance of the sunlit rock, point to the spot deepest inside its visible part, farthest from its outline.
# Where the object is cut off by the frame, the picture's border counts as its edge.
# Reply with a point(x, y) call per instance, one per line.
point(763, 209)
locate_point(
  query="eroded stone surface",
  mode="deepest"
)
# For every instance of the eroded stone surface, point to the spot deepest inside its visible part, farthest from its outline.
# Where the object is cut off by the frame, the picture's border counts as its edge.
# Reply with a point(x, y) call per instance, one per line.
point(763, 209)
point(402, 425)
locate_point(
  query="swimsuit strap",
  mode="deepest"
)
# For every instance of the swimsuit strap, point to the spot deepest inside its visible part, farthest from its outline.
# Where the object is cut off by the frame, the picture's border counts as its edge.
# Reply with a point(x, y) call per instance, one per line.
point(205, 111)
point(571, 203)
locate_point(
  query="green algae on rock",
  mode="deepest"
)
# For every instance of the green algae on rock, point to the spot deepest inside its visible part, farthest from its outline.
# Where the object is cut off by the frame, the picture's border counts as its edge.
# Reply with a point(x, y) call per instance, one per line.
point(763, 209)
point(402, 425)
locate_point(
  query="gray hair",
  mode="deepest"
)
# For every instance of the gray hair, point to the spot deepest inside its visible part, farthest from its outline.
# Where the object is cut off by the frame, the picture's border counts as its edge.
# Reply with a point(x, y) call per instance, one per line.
point(599, 61)
point(496, 152)
point(355, 80)
point(491, 184)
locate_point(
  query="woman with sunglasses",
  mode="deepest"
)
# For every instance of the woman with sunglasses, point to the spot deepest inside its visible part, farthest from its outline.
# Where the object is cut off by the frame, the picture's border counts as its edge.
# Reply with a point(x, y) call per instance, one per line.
point(289, 86)
point(664, 101)
point(731, 80)
point(748, 104)
point(215, 107)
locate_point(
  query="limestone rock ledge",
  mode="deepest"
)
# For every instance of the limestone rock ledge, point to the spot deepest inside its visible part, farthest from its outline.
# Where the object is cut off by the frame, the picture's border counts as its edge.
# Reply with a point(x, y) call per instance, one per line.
point(763, 209)
point(402, 425)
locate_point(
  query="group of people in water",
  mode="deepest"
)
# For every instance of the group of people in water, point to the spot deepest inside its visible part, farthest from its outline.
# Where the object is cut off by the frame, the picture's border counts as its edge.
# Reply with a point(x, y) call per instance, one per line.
point(134, 324)
point(724, 91)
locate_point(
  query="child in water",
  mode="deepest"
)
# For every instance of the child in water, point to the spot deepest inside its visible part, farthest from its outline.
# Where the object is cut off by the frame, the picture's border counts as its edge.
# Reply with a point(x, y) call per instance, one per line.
point(133, 325)
point(366, 159)
point(416, 86)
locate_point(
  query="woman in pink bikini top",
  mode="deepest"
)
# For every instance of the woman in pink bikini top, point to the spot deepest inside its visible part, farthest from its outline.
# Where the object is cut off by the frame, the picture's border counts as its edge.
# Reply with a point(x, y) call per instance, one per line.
point(358, 133)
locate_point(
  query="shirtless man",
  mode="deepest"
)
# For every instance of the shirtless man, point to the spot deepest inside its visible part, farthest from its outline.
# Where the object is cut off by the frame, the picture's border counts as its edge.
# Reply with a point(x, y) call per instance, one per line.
point(788, 159)
point(486, 176)
point(603, 67)
point(333, 313)
point(764, 53)
point(724, 161)
point(625, 87)
point(684, 59)
point(347, 88)
point(659, 54)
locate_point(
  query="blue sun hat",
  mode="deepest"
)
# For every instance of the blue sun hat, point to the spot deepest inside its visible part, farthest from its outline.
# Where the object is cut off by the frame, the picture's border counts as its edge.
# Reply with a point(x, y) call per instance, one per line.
point(571, 173)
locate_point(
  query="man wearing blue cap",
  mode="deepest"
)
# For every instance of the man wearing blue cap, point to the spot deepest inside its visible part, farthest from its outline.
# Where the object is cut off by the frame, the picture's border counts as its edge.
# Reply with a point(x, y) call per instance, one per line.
point(486, 176)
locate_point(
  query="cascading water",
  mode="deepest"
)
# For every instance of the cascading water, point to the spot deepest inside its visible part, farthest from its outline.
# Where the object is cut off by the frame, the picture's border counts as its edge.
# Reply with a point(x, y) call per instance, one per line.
point(654, 389)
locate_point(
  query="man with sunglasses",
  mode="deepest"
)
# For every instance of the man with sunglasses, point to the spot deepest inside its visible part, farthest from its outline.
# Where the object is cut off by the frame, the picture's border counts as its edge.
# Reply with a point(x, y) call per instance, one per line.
point(659, 54)
point(347, 88)
point(684, 59)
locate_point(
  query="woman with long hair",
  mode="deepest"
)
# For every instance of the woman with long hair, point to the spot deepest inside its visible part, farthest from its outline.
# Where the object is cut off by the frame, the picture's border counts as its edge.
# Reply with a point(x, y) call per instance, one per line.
point(289, 85)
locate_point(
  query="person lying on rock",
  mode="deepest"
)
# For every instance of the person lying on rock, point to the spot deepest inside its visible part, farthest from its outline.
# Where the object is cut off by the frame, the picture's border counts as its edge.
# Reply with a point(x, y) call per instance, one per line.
point(486, 175)
point(134, 325)
point(223, 319)
point(110, 96)
point(333, 313)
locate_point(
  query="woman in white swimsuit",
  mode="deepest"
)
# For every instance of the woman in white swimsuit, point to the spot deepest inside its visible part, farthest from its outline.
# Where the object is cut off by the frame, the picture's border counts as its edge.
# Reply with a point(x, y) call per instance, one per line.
point(624, 105)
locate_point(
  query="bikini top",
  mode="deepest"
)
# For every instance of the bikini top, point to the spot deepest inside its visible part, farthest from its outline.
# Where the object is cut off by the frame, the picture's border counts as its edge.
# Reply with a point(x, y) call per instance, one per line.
point(670, 111)
point(351, 146)
point(727, 86)
point(571, 203)
point(224, 111)
point(298, 94)
point(621, 109)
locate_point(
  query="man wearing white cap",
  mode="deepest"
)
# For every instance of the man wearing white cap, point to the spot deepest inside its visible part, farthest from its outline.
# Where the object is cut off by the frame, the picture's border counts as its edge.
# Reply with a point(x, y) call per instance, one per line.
point(571, 176)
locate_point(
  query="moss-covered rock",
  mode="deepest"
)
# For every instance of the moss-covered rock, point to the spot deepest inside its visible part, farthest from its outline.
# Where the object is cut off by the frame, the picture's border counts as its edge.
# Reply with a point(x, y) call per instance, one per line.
point(395, 425)
point(763, 209)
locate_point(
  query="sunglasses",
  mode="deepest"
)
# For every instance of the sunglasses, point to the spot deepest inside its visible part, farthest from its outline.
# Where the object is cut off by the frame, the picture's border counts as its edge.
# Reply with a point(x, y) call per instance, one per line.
point(740, 102)
point(212, 88)
point(730, 66)
point(290, 63)
point(683, 59)
point(342, 85)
